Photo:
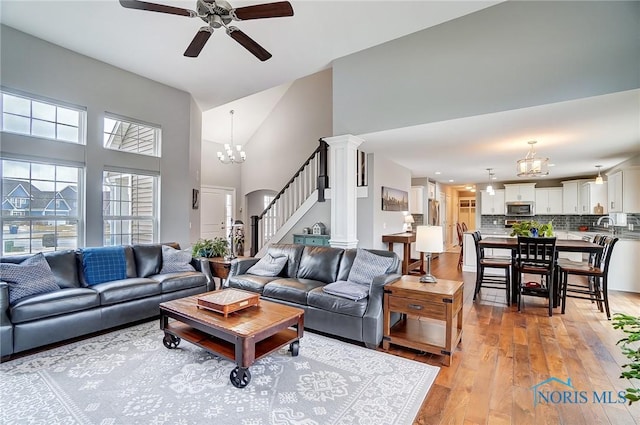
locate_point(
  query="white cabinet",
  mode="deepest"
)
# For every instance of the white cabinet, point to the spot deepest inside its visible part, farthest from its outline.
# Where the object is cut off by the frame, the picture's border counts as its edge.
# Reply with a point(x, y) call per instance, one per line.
point(520, 192)
point(492, 204)
point(571, 197)
point(416, 200)
point(624, 190)
point(548, 200)
point(592, 195)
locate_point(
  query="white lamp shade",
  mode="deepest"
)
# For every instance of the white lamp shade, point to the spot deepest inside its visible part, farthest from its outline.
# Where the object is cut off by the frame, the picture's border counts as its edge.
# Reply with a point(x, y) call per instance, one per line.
point(429, 239)
point(409, 219)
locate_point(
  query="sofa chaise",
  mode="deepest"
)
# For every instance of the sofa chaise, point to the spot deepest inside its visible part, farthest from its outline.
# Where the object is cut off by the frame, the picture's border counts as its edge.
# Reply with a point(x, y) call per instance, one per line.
point(85, 298)
point(320, 281)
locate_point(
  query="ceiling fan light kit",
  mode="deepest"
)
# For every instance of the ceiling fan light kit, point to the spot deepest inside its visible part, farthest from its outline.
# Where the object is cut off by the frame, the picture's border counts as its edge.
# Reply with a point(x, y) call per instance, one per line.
point(531, 166)
point(218, 14)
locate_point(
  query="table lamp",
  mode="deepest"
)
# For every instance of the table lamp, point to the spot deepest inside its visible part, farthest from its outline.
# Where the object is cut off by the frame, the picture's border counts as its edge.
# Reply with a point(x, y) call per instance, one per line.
point(408, 222)
point(428, 240)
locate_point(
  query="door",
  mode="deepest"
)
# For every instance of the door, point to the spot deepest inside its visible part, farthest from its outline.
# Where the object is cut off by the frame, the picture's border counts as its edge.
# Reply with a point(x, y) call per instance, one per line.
point(216, 209)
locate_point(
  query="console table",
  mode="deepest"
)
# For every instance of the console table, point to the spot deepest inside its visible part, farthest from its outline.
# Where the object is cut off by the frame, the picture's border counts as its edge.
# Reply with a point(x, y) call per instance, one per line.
point(406, 238)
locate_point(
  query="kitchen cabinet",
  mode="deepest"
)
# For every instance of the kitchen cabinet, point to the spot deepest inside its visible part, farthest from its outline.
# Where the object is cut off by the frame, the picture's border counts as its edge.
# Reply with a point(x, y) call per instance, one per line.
point(624, 190)
point(520, 192)
point(592, 195)
point(492, 204)
point(416, 200)
point(548, 200)
point(571, 197)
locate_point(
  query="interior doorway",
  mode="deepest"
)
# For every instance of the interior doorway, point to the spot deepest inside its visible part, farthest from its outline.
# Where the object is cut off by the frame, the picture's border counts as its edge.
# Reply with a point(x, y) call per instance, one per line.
point(216, 211)
point(467, 211)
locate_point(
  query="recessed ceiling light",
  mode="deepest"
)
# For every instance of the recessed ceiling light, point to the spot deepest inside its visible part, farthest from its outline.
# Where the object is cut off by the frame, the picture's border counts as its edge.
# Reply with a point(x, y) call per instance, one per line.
point(451, 180)
point(551, 165)
point(468, 187)
point(438, 173)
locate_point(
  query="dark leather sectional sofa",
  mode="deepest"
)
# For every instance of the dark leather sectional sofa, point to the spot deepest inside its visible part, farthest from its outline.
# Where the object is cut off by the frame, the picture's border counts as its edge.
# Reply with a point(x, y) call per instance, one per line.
point(77, 309)
point(300, 284)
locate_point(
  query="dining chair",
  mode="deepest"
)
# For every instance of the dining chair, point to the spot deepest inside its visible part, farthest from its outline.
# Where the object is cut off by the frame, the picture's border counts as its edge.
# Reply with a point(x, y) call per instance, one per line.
point(592, 260)
point(464, 227)
point(460, 242)
point(596, 286)
point(536, 256)
point(488, 280)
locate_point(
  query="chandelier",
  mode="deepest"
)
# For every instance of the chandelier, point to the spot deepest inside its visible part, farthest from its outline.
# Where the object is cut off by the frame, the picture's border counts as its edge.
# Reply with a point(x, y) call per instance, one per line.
point(530, 166)
point(229, 155)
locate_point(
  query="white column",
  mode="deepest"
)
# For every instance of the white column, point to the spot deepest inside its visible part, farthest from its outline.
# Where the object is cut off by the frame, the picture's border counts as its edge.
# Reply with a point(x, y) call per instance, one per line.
point(344, 198)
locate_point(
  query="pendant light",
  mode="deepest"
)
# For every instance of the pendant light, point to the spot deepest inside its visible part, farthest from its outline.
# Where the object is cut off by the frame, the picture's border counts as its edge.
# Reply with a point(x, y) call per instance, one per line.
point(532, 166)
point(599, 178)
point(490, 190)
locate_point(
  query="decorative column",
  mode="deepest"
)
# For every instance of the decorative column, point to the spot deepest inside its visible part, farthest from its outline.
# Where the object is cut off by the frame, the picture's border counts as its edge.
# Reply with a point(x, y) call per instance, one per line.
point(344, 198)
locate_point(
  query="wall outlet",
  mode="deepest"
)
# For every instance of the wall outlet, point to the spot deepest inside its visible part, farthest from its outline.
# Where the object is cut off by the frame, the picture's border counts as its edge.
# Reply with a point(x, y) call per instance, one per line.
point(384, 225)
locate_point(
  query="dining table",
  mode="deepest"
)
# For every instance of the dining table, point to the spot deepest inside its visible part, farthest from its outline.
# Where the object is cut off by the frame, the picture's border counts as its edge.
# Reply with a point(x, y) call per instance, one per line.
point(562, 245)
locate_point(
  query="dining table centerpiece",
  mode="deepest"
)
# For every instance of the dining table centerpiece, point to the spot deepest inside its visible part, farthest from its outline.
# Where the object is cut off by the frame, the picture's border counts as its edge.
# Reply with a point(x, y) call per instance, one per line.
point(532, 228)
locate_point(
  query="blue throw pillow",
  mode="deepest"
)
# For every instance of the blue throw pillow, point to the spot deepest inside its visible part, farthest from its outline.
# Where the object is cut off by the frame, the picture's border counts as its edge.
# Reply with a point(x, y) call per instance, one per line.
point(32, 276)
point(103, 264)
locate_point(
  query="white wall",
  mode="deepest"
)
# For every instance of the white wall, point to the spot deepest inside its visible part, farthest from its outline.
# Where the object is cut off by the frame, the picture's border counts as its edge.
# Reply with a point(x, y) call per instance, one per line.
point(289, 135)
point(40, 68)
point(508, 56)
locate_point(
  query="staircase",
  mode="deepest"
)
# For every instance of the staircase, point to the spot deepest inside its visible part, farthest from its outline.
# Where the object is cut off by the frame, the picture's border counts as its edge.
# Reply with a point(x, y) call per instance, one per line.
point(301, 192)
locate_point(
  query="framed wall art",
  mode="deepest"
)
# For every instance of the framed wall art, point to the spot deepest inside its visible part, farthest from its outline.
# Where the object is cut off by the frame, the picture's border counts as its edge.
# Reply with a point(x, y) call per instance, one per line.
point(394, 199)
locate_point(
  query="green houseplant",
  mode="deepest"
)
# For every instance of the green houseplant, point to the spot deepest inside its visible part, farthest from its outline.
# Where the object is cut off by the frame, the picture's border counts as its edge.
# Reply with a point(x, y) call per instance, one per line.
point(525, 228)
point(216, 247)
point(630, 325)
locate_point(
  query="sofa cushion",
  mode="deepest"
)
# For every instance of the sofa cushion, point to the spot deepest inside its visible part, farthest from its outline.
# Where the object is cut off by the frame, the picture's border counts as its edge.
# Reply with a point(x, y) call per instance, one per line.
point(268, 265)
point(293, 253)
point(148, 259)
point(349, 290)
point(249, 282)
point(103, 264)
point(117, 291)
point(368, 265)
point(320, 263)
point(319, 299)
point(30, 277)
point(175, 260)
point(64, 267)
point(63, 301)
point(291, 290)
point(171, 282)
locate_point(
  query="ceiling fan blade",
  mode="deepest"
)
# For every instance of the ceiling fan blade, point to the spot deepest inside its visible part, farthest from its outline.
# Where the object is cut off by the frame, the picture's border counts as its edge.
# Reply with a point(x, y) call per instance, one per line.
point(153, 7)
point(198, 42)
point(248, 43)
point(268, 10)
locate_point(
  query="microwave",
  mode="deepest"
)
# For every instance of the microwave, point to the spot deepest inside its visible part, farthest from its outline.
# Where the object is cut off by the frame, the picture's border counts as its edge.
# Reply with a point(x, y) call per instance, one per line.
point(519, 209)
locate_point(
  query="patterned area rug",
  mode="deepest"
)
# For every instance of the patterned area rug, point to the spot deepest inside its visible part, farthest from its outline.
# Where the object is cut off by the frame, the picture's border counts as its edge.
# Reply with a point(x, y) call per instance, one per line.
point(129, 377)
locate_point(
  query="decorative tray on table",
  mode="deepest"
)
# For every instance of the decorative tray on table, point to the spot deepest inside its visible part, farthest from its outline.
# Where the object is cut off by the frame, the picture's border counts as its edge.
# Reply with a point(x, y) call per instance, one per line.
point(228, 300)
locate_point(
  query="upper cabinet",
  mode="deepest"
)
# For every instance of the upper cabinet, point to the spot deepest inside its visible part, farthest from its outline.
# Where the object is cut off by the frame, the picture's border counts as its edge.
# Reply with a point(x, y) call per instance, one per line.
point(492, 204)
point(593, 198)
point(416, 200)
point(571, 197)
point(520, 192)
point(548, 200)
point(624, 190)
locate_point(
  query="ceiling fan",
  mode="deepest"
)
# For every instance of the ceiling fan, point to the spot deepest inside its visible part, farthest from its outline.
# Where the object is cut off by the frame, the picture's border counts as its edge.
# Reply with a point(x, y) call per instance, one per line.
point(217, 14)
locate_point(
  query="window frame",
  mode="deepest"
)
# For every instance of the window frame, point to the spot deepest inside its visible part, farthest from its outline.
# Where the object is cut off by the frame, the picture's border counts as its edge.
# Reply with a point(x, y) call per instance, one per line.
point(82, 116)
point(157, 138)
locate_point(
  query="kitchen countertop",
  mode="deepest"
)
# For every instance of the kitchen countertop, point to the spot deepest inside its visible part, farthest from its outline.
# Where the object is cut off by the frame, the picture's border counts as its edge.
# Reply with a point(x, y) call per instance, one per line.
point(621, 233)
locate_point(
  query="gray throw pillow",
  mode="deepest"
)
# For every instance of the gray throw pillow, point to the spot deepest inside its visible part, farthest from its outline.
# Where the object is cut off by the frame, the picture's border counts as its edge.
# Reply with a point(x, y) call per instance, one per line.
point(32, 276)
point(174, 260)
point(349, 290)
point(268, 266)
point(366, 266)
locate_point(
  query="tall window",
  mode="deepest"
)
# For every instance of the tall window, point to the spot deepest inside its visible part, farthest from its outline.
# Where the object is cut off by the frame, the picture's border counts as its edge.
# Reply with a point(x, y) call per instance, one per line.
point(34, 117)
point(129, 207)
point(40, 207)
point(130, 136)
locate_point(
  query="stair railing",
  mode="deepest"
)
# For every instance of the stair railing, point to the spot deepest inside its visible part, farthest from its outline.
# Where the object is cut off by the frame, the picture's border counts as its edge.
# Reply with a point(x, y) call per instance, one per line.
point(310, 176)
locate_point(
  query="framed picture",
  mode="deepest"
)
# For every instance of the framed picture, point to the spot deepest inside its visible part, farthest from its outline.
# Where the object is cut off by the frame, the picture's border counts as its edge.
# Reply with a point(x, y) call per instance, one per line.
point(195, 199)
point(394, 199)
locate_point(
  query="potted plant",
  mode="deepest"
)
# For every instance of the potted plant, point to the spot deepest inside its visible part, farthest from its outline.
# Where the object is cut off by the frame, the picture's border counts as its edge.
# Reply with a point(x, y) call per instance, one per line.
point(216, 247)
point(532, 228)
point(630, 325)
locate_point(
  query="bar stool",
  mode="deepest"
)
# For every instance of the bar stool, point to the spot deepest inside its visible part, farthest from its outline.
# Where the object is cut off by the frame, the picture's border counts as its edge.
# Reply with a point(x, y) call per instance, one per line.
point(597, 285)
point(491, 281)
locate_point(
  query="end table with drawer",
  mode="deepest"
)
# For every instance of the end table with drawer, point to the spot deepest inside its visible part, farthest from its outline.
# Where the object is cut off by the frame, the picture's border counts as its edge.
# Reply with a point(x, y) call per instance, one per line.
point(431, 315)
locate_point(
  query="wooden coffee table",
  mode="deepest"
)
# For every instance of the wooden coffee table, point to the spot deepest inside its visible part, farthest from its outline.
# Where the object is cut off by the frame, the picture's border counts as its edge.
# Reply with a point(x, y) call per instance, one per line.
point(243, 337)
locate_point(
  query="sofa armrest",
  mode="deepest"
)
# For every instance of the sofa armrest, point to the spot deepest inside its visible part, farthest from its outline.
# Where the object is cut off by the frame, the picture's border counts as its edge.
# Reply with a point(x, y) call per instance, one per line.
point(373, 318)
point(4, 304)
point(241, 265)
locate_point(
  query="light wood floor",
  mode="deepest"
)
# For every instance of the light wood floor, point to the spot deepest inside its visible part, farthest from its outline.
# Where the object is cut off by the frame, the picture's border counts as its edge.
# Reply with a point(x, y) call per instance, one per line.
point(504, 353)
